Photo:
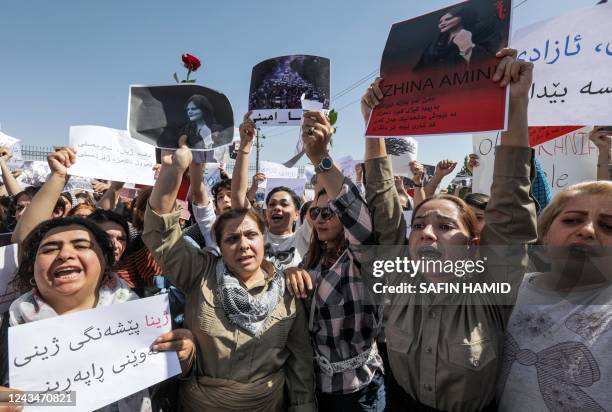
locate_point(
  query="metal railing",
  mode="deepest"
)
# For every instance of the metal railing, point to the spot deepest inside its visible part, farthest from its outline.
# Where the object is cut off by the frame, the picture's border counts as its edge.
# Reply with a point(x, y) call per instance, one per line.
point(33, 152)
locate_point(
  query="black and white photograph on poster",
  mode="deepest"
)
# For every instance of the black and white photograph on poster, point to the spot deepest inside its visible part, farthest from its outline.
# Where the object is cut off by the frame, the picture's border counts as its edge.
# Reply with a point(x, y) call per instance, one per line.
point(278, 84)
point(160, 115)
point(401, 151)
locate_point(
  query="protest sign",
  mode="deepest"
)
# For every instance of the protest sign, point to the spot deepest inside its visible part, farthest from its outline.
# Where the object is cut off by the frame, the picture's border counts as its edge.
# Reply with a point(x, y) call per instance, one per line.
point(572, 57)
point(401, 151)
point(297, 185)
point(278, 85)
point(271, 169)
point(159, 115)
point(437, 72)
point(8, 267)
point(347, 165)
point(566, 157)
point(309, 194)
point(76, 183)
point(102, 355)
point(34, 173)
point(212, 175)
point(111, 154)
point(15, 146)
point(309, 172)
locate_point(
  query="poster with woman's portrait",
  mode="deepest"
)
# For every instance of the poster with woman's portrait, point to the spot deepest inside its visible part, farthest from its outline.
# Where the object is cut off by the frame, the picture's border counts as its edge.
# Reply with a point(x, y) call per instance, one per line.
point(438, 69)
point(160, 115)
point(278, 84)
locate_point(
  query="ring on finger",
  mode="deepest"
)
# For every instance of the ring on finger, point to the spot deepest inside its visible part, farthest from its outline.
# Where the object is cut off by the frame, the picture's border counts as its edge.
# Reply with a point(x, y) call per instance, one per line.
point(311, 131)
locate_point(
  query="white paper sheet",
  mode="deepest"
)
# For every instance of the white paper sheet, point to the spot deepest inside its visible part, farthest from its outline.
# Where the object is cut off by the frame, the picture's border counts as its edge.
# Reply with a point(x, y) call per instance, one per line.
point(102, 354)
point(110, 154)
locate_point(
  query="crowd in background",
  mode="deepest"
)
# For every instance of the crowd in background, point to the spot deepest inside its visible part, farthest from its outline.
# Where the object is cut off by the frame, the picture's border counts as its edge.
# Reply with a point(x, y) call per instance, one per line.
point(273, 308)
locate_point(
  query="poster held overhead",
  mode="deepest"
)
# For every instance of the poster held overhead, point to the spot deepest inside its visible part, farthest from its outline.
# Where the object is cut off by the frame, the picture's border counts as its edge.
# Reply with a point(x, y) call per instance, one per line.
point(278, 84)
point(110, 154)
point(437, 72)
point(159, 115)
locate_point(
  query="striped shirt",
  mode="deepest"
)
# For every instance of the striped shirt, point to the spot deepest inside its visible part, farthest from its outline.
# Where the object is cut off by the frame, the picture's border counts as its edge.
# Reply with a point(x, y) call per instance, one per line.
point(138, 267)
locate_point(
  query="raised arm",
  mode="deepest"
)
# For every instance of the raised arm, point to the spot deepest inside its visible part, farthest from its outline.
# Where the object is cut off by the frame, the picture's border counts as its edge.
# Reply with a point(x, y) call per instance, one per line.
point(383, 201)
point(374, 147)
point(42, 205)
point(10, 183)
point(240, 175)
point(510, 215)
point(252, 193)
point(182, 264)
point(418, 174)
point(443, 168)
point(316, 134)
point(199, 195)
point(174, 164)
point(110, 198)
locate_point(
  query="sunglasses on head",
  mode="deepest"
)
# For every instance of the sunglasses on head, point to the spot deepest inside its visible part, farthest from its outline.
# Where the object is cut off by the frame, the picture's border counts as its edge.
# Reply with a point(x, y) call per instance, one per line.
point(325, 212)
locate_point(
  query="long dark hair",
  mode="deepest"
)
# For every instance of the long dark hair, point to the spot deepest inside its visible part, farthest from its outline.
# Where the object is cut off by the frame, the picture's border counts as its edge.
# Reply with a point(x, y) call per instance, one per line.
point(24, 276)
point(317, 250)
point(202, 103)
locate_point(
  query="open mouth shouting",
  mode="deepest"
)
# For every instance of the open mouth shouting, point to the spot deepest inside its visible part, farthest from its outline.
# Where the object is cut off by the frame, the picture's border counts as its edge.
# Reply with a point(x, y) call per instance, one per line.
point(66, 274)
point(429, 253)
point(246, 260)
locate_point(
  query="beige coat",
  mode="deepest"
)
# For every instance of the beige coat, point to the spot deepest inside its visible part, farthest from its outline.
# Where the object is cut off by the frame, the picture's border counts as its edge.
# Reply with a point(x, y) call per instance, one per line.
point(445, 351)
point(234, 370)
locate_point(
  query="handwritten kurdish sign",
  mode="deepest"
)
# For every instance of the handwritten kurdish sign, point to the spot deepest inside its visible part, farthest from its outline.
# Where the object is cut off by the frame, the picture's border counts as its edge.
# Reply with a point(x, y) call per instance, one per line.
point(565, 153)
point(111, 154)
point(103, 354)
point(572, 55)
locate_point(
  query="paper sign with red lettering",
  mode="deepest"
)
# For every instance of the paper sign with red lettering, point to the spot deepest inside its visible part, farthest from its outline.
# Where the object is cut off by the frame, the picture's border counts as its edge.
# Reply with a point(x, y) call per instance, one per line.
point(99, 355)
point(566, 159)
point(437, 72)
point(543, 134)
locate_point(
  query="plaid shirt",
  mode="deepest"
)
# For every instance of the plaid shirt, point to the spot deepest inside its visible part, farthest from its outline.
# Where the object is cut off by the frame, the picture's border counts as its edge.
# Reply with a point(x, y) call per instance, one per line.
point(344, 321)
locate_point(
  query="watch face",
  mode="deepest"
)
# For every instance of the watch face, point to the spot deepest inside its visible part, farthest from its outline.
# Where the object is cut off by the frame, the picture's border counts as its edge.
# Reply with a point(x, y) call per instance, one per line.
point(326, 163)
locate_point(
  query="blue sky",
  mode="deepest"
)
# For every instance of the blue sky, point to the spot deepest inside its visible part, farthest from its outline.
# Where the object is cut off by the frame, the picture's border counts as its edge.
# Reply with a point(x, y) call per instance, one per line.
point(70, 62)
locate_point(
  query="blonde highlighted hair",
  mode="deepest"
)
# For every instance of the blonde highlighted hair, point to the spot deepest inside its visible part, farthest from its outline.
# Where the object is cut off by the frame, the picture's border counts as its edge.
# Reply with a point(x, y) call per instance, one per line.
point(558, 203)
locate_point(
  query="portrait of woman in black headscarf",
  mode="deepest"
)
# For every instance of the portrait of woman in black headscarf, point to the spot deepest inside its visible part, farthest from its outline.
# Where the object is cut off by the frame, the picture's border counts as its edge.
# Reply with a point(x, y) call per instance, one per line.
point(463, 38)
point(202, 130)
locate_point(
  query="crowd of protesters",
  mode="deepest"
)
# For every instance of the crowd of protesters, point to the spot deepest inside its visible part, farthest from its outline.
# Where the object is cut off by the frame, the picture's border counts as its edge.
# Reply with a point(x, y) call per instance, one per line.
point(274, 308)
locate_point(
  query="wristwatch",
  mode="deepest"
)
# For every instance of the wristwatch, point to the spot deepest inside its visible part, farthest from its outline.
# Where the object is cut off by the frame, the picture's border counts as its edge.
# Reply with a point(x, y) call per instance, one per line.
point(324, 165)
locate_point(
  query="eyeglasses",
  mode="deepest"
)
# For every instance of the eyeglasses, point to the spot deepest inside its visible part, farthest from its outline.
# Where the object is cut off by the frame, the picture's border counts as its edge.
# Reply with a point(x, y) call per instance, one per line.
point(325, 212)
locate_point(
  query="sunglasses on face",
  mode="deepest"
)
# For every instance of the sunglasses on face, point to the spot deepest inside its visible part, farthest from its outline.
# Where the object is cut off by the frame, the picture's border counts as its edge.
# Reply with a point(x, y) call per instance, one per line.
point(325, 212)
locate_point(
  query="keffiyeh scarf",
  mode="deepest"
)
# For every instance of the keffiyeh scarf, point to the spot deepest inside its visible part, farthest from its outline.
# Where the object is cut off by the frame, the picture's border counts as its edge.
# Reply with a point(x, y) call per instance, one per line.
point(244, 310)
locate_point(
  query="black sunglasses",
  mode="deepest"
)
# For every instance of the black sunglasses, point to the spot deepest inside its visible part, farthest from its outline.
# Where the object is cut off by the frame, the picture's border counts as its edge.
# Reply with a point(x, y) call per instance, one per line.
point(325, 212)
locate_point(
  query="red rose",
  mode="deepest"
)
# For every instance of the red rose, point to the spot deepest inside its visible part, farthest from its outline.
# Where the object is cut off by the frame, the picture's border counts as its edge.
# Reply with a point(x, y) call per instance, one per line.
point(191, 63)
